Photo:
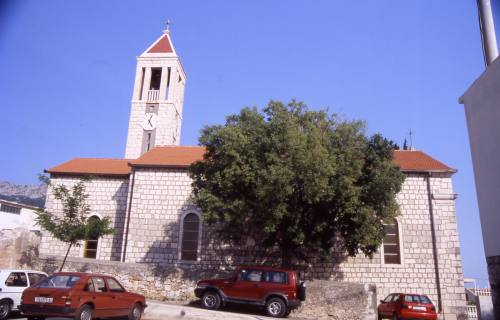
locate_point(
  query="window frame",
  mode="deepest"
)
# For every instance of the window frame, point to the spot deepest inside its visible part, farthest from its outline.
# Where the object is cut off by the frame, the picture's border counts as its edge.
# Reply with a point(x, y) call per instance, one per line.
point(401, 263)
point(10, 209)
point(181, 235)
point(84, 243)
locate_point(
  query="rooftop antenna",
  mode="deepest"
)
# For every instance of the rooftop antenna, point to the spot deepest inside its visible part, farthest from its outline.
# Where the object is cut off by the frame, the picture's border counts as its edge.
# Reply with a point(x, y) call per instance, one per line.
point(411, 141)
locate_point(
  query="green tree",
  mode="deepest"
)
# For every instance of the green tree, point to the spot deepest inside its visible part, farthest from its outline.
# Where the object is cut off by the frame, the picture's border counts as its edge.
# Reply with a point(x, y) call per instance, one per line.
point(74, 225)
point(299, 177)
point(405, 145)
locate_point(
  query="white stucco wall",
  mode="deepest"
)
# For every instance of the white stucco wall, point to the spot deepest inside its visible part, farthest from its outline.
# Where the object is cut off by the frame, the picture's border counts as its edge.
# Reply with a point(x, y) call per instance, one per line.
point(482, 110)
point(22, 220)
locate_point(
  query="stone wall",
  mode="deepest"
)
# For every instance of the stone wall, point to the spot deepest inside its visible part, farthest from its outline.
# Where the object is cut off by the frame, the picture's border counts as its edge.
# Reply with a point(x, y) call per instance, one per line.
point(325, 299)
point(107, 197)
point(339, 300)
point(159, 203)
point(19, 248)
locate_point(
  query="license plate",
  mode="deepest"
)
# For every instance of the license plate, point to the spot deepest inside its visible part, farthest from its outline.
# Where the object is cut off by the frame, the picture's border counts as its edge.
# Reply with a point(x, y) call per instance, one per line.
point(419, 308)
point(43, 300)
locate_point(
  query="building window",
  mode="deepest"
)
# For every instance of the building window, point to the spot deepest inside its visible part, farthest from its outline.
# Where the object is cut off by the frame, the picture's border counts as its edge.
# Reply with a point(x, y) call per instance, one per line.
point(148, 141)
point(392, 248)
point(90, 250)
point(10, 209)
point(190, 237)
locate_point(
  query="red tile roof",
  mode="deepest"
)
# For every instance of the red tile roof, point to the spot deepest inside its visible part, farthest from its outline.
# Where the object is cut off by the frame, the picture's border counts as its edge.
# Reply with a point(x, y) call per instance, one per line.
point(418, 161)
point(177, 156)
point(183, 156)
point(95, 166)
point(161, 46)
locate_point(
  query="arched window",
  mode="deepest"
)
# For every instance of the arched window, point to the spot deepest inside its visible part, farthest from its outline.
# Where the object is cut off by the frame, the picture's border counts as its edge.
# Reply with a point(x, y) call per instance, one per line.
point(90, 250)
point(190, 237)
point(392, 248)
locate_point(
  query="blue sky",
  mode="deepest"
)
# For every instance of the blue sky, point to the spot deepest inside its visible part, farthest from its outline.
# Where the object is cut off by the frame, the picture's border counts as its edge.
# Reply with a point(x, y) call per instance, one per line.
point(68, 71)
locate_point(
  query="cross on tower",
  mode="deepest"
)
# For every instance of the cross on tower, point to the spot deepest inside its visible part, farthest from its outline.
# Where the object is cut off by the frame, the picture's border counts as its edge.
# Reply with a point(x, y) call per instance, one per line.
point(410, 133)
point(168, 23)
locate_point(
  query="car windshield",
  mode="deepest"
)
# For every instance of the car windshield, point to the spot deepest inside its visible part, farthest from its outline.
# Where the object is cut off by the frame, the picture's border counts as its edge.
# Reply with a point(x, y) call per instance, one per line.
point(417, 299)
point(59, 281)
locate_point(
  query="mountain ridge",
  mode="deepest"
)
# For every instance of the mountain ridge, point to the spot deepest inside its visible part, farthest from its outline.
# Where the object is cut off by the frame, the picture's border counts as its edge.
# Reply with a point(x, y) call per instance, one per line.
point(30, 195)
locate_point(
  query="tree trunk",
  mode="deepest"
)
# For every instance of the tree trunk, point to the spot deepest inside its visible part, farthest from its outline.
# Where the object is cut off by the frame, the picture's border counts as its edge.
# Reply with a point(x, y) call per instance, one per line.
point(64, 261)
point(286, 257)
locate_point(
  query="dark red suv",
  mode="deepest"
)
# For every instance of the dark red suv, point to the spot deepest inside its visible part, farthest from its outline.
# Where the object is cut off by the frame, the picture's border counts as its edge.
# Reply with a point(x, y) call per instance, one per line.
point(276, 289)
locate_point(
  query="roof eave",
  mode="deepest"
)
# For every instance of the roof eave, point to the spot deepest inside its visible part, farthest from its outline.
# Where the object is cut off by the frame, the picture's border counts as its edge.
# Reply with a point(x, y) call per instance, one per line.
point(124, 175)
point(429, 170)
point(156, 166)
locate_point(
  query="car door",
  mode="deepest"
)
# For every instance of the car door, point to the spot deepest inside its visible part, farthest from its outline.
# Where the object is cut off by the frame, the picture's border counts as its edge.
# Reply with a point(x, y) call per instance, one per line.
point(384, 307)
point(120, 302)
point(34, 277)
point(247, 285)
point(100, 296)
point(392, 306)
point(277, 281)
point(15, 284)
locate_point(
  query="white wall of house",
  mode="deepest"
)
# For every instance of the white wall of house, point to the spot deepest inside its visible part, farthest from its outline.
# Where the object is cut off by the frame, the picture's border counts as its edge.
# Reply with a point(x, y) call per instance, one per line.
point(22, 218)
point(482, 110)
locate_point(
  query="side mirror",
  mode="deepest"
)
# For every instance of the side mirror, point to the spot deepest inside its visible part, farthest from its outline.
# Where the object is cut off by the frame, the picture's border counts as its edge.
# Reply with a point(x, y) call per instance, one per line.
point(382, 301)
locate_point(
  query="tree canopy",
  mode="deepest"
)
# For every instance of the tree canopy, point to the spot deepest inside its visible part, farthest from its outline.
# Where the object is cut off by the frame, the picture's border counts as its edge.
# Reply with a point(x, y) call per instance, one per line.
point(306, 180)
point(74, 225)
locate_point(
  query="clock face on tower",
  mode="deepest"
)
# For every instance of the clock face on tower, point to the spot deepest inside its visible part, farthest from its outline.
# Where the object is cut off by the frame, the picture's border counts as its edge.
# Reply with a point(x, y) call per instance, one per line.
point(149, 121)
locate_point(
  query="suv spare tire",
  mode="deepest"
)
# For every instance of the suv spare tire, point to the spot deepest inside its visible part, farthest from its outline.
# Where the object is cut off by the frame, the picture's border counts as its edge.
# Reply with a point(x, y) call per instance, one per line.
point(301, 294)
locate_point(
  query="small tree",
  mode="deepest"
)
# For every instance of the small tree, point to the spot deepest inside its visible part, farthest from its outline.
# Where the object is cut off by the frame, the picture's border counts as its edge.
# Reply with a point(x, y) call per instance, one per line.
point(300, 177)
point(74, 225)
point(405, 145)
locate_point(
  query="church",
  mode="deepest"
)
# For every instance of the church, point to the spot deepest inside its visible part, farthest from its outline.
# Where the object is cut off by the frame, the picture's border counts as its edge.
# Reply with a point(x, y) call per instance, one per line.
point(146, 196)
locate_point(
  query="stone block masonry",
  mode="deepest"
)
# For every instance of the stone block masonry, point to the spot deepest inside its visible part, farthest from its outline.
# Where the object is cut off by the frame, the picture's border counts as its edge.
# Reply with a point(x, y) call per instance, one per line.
point(108, 197)
point(160, 200)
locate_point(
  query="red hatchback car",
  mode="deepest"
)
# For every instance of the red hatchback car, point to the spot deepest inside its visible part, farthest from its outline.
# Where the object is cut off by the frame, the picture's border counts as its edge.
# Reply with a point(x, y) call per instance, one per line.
point(81, 296)
point(406, 306)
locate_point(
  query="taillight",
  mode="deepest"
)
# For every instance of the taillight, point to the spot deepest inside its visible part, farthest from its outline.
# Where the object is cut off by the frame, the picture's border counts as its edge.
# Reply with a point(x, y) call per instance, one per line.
point(68, 299)
point(404, 306)
point(433, 308)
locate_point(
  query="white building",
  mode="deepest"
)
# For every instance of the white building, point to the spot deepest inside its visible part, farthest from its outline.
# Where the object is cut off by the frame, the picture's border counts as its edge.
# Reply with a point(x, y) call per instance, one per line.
point(16, 215)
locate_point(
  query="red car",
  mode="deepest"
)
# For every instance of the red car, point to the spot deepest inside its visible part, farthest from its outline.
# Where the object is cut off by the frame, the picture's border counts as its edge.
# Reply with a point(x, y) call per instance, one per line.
point(81, 296)
point(278, 290)
point(408, 306)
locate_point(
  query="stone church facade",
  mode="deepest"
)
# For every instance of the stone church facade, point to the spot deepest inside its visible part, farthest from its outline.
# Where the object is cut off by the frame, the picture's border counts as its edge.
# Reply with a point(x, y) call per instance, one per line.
point(146, 197)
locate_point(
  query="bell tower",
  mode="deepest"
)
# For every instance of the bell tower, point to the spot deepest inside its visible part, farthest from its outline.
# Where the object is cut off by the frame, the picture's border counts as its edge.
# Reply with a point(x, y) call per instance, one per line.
point(156, 113)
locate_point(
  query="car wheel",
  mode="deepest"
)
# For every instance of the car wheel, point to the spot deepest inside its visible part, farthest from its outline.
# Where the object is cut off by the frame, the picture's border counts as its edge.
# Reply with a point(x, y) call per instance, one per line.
point(4, 309)
point(135, 313)
point(395, 316)
point(85, 313)
point(275, 307)
point(210, 300)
